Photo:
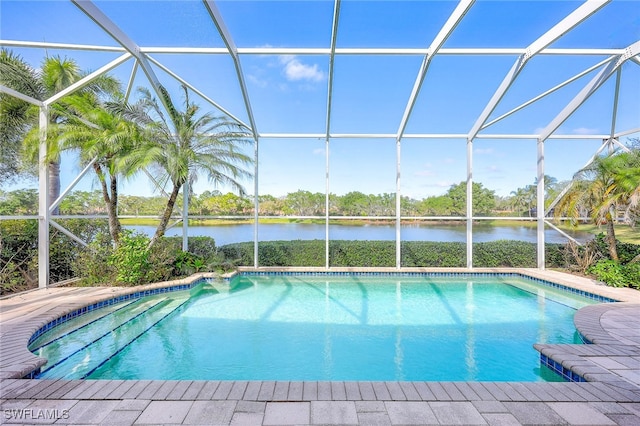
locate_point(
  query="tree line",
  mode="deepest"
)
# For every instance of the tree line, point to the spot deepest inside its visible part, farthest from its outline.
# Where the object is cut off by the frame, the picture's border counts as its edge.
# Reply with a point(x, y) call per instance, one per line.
point(299, 203)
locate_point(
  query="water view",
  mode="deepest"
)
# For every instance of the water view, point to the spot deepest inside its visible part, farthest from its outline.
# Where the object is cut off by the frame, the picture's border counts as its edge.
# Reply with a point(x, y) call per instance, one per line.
point(227, 234)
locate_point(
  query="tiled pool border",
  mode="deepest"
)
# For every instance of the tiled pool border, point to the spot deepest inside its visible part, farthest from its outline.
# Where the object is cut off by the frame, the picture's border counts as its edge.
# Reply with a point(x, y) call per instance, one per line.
point(559, 369)
point(588, 295)
point(556, 367)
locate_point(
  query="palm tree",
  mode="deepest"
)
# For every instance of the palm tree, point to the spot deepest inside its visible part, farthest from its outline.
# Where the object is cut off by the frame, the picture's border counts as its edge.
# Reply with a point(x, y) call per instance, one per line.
point(184, 146)
point(15, 114)
point(625, 189)
point(607, 184)
point(103, 135)
point(55, 75)
point(518, 200)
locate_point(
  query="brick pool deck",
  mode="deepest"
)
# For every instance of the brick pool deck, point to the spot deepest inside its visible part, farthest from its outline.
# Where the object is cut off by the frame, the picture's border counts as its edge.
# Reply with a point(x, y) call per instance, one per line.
point(611, 366)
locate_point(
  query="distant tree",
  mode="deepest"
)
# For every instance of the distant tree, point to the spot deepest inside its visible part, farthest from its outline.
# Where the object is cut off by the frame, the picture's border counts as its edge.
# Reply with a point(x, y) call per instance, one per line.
point(409, 206)
point(304, 203)
point(227, 204)
point(383, 204)
point(271, 206)
point(134, 205)
point(82, 202)
point(353, 203)
point(483, 199)
point(521, 200)
point(441, 205)
point(19, 202)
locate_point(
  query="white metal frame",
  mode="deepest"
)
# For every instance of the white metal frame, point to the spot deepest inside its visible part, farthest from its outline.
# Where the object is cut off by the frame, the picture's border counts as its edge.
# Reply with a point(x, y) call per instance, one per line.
point(607, 68)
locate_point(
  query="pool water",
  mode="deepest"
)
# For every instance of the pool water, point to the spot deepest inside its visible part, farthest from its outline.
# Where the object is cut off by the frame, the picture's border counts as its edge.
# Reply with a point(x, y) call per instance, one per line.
point(302, 327)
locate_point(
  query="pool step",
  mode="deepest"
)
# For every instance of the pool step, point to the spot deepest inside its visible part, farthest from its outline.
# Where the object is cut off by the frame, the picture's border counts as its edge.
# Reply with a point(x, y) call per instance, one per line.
point(557, 295)
point(79, 358)
point(59, 349)
point(79, 323)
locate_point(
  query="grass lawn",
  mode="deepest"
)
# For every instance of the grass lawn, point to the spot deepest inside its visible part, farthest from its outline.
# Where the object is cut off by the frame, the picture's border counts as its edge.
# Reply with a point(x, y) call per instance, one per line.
point(624, 233)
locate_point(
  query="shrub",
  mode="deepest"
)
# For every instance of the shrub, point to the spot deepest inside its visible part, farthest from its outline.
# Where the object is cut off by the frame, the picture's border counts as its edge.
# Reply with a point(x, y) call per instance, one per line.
point(92, 265)
point(608, 271)
point(631, 275)
point(617, 274)
point(504, 253)
point(383, 253)
point(19, 251)
point(240, 253)
point(18, 255)
point(626, 251)
point(187, 263)
point(362, 253)
point(581, 257)
point(131, 258)
point(203, 247)
point(555, 255)
point(63, 251)
point(433, 254)
point(132, 263)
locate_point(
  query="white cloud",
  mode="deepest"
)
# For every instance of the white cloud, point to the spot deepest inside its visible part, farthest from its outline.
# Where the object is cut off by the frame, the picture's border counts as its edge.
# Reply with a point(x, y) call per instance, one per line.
point(440, 184)
point(295, 70)
point(426, 171)
point(318, 151)
point(493, 169)
point(585, 131)
point(257, 80)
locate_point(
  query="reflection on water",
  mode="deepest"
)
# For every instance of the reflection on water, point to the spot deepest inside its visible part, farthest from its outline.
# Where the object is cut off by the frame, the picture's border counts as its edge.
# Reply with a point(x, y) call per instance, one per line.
point(227, 234)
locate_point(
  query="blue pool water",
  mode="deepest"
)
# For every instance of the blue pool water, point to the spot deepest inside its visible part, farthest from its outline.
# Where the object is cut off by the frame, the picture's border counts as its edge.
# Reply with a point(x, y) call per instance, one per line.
point(302, 327)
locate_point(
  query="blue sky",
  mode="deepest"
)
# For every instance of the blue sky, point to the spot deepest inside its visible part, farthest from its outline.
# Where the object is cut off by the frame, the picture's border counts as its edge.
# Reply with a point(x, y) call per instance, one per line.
point(288, 93)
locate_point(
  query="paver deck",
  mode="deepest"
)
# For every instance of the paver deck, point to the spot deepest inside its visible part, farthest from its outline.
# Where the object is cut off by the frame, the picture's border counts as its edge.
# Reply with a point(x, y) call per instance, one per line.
point(611, 394)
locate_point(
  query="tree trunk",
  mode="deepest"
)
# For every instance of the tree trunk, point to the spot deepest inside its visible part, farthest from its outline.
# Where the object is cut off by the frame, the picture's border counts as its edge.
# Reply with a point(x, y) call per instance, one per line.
point(164, 220)
point(112, 211)
point(54, 184)
point(611, 238)
point(111, 203)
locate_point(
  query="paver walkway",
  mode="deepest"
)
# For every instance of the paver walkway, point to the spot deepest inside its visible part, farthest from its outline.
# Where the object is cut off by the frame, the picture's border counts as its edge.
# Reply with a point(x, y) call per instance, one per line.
point(611, 396)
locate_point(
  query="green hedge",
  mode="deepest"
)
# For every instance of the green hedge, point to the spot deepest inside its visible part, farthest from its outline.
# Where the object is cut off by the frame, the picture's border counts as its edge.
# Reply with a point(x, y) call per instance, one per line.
point(277, 253)
point(344, 253)
point(204, 247)
point(433, 254)
point(505, 253)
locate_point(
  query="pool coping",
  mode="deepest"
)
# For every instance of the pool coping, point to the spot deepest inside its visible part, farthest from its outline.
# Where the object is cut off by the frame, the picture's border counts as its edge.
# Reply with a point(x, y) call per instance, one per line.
point(610, 365)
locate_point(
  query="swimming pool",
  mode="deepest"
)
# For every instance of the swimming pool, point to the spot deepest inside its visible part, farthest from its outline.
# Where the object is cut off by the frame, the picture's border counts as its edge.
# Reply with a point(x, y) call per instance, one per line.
point(321, 327)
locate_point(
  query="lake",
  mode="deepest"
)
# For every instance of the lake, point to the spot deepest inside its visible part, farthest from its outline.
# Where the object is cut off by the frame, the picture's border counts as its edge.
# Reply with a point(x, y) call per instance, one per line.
point(227, 234)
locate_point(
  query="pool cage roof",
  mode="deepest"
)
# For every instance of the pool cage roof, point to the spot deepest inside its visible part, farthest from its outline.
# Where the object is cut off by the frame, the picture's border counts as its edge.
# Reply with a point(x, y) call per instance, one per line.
point(360, 70)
